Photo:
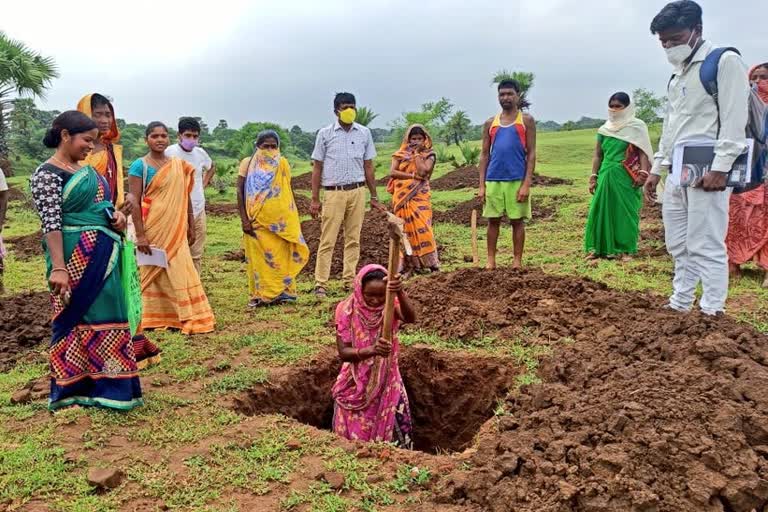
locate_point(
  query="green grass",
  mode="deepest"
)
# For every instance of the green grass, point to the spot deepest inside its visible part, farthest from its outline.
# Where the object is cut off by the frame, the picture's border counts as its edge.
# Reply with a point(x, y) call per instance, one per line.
point(187, 446)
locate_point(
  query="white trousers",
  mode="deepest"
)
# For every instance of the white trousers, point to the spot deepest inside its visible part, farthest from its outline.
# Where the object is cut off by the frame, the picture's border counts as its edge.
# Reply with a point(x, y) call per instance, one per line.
point(695, 225)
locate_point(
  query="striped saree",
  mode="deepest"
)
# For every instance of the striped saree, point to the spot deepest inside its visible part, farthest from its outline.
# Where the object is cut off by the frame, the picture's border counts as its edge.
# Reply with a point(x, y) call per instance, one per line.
point(172, 297)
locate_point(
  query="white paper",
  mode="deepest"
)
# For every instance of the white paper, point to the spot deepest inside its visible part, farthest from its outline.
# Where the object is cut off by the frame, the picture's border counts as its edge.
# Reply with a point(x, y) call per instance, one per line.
point(158, 258)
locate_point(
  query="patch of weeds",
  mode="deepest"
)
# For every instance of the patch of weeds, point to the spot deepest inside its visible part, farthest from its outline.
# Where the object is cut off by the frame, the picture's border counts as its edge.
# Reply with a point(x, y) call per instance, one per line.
point(174, 428)
point(320, 498)
point(192, 490)
point(408, 478)
point(241, 379)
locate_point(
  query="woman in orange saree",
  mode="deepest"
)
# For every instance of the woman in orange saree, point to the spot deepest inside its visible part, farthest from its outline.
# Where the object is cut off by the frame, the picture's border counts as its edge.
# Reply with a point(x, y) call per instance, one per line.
point(412, 167)
point(173, 297)
point(107, 155)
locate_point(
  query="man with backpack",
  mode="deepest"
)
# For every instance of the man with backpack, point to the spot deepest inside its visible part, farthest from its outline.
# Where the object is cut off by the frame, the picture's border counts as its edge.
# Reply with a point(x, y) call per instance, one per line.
point(702, 104)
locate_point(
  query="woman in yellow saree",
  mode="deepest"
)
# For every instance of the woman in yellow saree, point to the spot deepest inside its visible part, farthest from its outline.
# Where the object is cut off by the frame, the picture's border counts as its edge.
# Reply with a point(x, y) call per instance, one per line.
point(274, 246)
point(173, 297)
point(411, 170)
point(107, 155)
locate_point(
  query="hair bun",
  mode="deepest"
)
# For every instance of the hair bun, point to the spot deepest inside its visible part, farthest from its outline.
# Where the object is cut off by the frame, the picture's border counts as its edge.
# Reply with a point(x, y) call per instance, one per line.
point(52, 137)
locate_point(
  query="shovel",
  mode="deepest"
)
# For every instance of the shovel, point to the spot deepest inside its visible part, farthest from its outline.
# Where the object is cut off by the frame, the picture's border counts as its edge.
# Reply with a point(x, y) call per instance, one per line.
point(397, 239)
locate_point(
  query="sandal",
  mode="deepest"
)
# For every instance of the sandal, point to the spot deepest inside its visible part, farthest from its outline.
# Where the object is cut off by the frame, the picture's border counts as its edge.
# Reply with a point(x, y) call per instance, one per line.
point(254, 303)
point(321, 292)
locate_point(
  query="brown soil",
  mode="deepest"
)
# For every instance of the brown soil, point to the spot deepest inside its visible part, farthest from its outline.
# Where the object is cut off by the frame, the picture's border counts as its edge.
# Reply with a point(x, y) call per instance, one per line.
point(230, 209)
point(24, 324)
point(303, 182)
point(644, 410)
point(26, 246)
point(651, 242)
point(462, 213)
point(468, 177)
point(445, 416)
point(15, 194)
point(374, 243)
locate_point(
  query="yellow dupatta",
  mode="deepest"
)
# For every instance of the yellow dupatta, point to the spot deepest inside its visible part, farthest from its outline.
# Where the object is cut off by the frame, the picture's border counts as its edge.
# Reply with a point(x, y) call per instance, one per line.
point(101, 160)
point(172, 297)
point(278, 252)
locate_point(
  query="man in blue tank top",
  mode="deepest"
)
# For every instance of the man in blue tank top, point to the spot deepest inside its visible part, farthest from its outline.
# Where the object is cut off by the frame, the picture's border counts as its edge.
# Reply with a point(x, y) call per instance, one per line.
point(507, 164)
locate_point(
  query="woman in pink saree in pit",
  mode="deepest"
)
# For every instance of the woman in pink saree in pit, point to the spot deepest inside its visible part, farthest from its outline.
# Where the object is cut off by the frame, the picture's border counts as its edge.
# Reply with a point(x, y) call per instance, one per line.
point(370, 401)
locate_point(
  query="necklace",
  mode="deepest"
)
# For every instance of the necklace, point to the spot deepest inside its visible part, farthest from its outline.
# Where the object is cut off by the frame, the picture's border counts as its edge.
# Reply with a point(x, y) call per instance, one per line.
point(67, 166)
point(158, 165)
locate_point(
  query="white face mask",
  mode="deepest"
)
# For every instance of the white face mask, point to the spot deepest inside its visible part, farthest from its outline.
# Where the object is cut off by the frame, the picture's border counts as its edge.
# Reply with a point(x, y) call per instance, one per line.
point(680, 53)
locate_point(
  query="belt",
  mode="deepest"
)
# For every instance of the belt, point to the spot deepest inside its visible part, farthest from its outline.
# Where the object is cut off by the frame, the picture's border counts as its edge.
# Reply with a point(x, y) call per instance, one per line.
point(348, 186)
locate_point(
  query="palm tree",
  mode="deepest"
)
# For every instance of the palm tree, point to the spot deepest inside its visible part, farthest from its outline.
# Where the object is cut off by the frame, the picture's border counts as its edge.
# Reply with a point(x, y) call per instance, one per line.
point(524, 78)
point(365, 116)
point(24, 72)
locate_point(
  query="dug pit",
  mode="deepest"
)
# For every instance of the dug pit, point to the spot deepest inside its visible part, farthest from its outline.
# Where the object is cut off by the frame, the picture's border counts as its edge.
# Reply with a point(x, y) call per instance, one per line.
point(452, 394)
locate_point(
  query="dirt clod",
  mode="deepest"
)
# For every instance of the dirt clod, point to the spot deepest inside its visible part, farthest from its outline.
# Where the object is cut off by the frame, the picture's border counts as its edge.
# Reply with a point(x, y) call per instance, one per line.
point(105, 478)
point(22, 396)
point(335, 480)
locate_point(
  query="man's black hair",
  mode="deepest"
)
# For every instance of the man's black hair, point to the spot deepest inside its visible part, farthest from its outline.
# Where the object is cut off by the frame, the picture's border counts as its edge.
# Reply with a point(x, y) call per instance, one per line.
point(679, 15)
point(509, 83)
point(621, 97)
point(343, 98)
point(189, 124)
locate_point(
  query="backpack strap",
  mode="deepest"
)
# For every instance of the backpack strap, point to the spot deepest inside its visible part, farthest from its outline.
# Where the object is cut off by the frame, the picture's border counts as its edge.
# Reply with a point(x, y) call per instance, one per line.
point(708, 75)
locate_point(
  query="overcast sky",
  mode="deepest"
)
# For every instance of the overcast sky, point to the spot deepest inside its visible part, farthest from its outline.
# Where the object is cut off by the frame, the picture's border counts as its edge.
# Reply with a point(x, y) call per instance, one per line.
point(283, 60)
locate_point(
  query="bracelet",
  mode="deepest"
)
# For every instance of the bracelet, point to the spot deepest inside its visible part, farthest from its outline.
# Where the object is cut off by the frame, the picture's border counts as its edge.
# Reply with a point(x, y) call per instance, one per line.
point(59, 269)
point(374, 198)
point(593, 176)
point(642, 172)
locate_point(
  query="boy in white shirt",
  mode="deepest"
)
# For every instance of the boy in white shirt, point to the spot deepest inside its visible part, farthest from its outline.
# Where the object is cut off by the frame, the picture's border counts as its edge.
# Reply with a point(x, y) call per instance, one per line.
point(188, 149)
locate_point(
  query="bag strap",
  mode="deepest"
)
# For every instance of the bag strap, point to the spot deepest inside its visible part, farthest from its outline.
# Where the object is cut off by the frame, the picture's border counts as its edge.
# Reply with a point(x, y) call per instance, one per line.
point(144, 175)
point(708, 75)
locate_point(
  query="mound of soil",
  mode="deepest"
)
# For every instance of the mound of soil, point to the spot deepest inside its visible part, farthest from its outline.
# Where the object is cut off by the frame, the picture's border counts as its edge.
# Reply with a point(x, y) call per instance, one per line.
point(642, 409)
point(230, 209)
point(26, 246)
point(302, 182)
point(374, 243)
point(24, 324)
point(445, 417)
point(15, 194)
point(462, 213)
point(468, 177)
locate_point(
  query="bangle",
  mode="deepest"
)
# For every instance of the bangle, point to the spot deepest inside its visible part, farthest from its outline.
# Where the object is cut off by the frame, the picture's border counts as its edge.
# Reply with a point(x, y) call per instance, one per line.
point(642, 172)
point(374, 198)
point(59, 269)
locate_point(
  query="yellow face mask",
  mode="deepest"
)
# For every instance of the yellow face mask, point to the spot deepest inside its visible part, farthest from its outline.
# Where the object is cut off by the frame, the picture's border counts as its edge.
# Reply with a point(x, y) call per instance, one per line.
point(348, 115)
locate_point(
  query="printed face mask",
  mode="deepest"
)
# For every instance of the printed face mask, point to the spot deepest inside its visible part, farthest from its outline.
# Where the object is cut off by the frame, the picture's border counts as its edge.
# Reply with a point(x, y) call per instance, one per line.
point(680, 53)
point(188, 144)
point(348, 115)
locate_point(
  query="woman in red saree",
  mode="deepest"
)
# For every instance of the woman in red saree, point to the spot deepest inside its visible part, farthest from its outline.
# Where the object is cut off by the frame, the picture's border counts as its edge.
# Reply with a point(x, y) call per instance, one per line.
point(747, 238)
point(412, 167)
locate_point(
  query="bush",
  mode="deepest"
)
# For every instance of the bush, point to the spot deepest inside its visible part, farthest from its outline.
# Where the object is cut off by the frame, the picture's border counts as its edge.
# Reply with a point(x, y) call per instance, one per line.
point(442, 154)
point(470, 153)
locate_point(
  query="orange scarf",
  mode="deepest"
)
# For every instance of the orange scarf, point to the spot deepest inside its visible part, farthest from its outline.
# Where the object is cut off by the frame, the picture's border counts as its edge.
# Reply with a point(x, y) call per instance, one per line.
point(109, 162)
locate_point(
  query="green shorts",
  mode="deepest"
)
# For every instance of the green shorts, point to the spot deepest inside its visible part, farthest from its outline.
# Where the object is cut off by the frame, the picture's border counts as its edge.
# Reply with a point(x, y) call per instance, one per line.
point(501, 199)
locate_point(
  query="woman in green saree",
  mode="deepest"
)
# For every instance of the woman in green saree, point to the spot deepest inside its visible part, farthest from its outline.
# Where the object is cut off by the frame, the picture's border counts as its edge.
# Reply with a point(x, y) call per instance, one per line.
point(619, 169)
point(92, 360)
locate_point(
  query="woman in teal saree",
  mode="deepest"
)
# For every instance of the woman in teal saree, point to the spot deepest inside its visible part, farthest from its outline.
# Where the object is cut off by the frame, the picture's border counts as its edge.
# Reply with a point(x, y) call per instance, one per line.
point(92, 359)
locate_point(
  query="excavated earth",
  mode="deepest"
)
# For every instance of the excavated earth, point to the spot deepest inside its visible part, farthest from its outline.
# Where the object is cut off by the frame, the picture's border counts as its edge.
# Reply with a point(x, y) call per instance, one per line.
point(640, 409)
point(26, 247)
point(230, 209)
point(24, 325)
point(468, 177)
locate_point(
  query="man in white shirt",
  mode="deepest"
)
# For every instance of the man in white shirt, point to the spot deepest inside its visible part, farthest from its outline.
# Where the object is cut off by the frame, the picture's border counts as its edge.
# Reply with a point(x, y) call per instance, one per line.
point(3, 208)
point(188, 149)
point(696, 219)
